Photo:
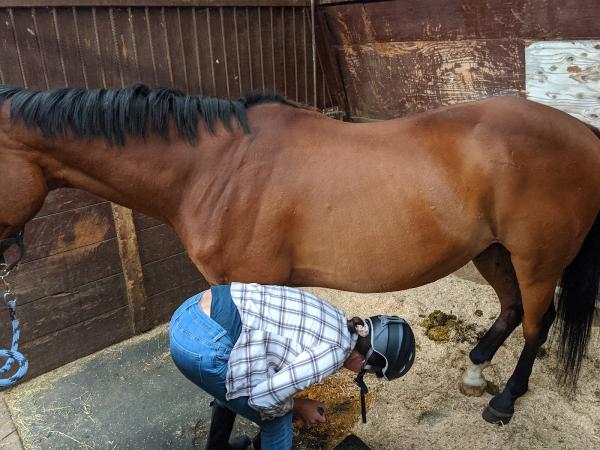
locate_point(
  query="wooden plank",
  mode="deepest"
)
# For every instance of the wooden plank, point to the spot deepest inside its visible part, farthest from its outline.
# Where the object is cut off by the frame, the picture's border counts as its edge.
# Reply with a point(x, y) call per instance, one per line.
point(55, 312)
point(103, 28)
point(217, 51)
point(91, 53)
point(196, 48)
point(164, 304)
point(279, 60)
point(308, 73)
point(174, 41)
point(169, 273)
point(329, 62)
point(157, 243)
point(388, 80)
point(66, 199)
point(142, 41)
point(301, 52)
point(265, 26)
point(159, 38)
point(152, 3)
point(143, 221)
point(204, 60)
point(49, 47)
point(255, 46)
point(69, 51)
point(10, 66)
point(125, 48)
point(132, 269)
point(29, 49)
point(71, 343)
point(185, 23)
point(565, 75)
point(50, 235)
point(427, 20)
point(231, 45)
point(65, 271)
point(289, 42)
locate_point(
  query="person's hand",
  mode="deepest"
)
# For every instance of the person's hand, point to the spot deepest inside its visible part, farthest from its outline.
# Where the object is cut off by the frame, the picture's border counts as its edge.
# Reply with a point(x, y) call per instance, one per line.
point(310, 411)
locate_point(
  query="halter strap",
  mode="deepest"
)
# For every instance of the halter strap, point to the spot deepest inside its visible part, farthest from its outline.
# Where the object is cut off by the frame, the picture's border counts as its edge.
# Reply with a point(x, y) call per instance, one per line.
point(364, 390)
point(5, 244)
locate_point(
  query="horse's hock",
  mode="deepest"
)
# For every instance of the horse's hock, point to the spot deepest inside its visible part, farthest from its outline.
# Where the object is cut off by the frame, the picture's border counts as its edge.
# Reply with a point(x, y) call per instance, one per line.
point(84, 283)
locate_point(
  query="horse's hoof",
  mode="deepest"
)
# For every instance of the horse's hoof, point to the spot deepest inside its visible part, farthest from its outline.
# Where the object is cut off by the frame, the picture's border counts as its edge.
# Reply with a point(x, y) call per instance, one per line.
point(472, 391)
point(493, 416)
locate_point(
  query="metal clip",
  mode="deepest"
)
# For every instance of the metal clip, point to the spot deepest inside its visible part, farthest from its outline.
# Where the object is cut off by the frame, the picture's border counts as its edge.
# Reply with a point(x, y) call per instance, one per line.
point(10, 299)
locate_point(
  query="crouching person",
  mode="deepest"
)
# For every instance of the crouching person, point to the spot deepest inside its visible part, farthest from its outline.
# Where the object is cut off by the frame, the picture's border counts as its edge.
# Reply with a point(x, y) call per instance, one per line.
point(253, 347)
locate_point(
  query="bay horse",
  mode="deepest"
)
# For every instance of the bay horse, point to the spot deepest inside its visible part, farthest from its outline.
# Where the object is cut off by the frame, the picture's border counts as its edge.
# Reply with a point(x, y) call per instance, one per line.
point(262, 190)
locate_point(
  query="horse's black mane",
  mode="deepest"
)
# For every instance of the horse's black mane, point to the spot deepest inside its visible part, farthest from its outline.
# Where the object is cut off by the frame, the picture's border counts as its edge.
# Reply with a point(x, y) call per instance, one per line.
point(133, 111)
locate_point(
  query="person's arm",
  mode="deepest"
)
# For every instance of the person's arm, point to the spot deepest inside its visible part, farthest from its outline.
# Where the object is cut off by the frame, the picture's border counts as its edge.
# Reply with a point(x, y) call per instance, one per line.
point(274, 396)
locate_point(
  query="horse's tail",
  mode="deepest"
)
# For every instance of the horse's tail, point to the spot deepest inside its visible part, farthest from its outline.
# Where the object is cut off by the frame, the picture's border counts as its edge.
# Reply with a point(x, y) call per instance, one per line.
point(577, 304)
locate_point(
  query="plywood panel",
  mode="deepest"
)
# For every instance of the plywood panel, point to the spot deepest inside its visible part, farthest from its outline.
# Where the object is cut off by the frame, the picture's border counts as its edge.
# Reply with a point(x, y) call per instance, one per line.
point(389, 80)
point(68, 344)
point(442, 20)
point(143, 221)
point(163, 304)
point(55, 312)
point(565, 75)
point(64, 272)
point(158, 242)
point(169, 273)
point(57, 233)
point(66, 199)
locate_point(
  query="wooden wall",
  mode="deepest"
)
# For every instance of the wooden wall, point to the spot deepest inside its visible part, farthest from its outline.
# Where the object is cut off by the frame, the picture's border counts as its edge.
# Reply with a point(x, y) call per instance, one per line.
point(94, 273)
point(402, 56)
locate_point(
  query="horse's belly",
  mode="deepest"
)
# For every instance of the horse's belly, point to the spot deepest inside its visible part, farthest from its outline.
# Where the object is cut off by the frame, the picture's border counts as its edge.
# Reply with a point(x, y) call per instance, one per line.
point(381, 255)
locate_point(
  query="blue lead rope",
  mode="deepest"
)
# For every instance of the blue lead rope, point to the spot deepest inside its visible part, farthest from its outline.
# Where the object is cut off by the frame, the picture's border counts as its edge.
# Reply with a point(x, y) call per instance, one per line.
point(13, 354)
point(10, 299)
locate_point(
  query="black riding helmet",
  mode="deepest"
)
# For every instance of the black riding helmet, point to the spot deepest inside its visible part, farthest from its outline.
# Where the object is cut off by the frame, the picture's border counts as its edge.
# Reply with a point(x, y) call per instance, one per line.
point(392, 352)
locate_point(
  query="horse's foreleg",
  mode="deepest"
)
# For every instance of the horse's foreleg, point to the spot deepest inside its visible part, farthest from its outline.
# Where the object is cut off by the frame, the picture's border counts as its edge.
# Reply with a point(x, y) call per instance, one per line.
point(538, 315)
point(496, 267)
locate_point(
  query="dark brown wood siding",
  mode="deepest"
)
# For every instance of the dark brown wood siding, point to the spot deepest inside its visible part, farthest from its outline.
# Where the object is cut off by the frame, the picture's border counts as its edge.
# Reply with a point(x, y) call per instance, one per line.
point(399, 57)
point(74, 296)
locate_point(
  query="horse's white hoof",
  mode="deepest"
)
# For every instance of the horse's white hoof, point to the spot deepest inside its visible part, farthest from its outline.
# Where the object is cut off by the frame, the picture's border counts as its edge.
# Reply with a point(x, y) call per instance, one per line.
point(472, 391)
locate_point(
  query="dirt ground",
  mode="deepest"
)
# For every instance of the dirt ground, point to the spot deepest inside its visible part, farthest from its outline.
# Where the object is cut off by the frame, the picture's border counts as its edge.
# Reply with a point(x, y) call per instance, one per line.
point(425, 410)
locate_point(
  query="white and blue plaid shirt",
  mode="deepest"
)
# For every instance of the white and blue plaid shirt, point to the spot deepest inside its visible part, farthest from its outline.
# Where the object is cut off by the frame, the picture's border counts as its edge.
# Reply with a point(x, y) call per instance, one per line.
point(290, 339)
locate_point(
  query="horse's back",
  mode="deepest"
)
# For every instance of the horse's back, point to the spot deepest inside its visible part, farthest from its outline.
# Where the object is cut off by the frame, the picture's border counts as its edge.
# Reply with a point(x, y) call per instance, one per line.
point(398, 203)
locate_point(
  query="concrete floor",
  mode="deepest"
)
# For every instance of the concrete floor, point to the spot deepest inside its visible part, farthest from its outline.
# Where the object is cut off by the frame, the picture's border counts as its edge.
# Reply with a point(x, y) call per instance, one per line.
point(128, 396)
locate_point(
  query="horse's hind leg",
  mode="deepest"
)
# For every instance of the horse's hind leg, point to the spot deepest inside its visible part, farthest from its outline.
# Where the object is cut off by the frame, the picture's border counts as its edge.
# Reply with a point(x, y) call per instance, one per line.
point(496, 267)
point(538, 314)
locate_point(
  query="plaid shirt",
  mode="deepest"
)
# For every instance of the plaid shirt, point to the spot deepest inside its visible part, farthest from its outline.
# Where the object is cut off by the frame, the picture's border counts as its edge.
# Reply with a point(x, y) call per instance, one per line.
point(290, 339)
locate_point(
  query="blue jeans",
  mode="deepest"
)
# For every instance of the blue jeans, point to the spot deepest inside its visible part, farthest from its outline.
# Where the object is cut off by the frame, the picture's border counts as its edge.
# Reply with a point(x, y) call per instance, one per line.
point(200, 348)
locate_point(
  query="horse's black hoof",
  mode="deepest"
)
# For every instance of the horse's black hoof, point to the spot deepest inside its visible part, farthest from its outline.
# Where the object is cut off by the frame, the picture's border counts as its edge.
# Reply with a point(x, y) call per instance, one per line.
point(493, 416)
